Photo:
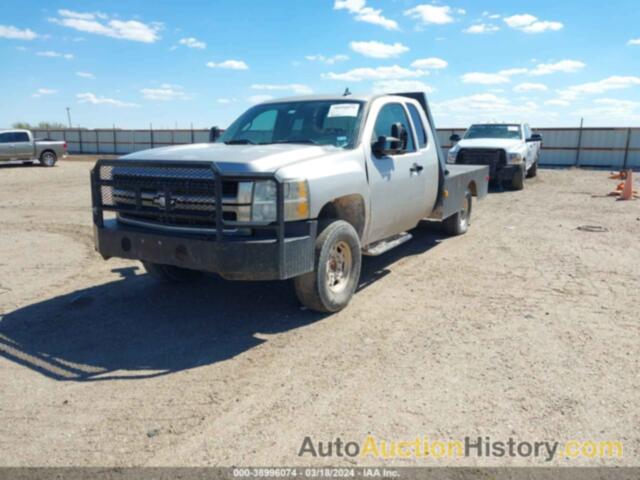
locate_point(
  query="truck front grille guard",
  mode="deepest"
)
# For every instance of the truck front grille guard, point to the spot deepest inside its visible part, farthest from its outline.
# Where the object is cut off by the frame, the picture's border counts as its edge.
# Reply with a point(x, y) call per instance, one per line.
point(187, 176)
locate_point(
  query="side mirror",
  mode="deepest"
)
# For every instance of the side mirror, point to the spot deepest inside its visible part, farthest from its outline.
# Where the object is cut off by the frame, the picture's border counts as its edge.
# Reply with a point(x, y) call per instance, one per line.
point(454, 138)
point(536, 137)
point(214, 134)
point(395, 144)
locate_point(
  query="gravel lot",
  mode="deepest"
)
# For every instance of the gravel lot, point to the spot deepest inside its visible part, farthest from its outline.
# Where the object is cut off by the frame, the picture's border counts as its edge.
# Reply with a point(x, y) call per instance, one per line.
point(525, 327)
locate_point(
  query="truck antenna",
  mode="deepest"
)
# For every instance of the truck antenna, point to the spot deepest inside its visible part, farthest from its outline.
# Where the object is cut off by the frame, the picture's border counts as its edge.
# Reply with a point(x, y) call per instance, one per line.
point(347, 92)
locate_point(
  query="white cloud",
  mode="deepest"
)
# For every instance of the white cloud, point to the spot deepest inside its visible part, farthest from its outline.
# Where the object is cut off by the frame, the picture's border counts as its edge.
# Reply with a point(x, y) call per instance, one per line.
point(259, 98)
point(482, 102)
point(530, 24)
point(485, 78)
point(614, 110)
point(633, 41)
point(431, 14)
point(503, 76)
point(165, 92)
point(327, 60)
point(530, 87)
point(226, 101)
point(229, 64)
point(513, 71)
point(85, 75)
point(397, 86)
point(431, 63)
point(375, 49)
point(292, 87)
point(44, 91)
point(379, 73)
point(481, 28)
point(615, 82)
point(13, 33)
point(481, 107)
point(192, 43)
point(362, 13)
point(557, 102)
point(52, 54)
point(98, 100)
point(520, 21)
point(101, 24)
point(564, 66)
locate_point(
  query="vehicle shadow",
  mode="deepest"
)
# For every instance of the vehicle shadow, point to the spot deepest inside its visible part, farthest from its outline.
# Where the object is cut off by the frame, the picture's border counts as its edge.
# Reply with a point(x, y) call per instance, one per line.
point(8, 165)
point(134, 328)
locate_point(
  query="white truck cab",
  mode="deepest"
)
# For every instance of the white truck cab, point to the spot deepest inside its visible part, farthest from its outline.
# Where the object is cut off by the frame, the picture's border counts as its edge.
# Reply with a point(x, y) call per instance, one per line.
point(511, 150)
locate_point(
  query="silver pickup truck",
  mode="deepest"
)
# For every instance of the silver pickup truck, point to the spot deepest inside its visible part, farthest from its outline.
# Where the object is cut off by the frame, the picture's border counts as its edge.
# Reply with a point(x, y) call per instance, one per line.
point(19, 145)
point(297, 188)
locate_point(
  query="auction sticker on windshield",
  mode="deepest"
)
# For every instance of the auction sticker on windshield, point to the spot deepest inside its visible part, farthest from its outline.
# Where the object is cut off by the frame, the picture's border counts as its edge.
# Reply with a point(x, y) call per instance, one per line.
point(343, 110)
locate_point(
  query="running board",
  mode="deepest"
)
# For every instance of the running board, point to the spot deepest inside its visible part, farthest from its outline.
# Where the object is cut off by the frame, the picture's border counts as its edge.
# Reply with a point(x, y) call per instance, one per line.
point(387, 244)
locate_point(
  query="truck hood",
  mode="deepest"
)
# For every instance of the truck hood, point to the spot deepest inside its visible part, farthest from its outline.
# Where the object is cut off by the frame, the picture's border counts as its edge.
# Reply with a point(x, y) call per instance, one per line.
point(238, 158)
point(503, 143)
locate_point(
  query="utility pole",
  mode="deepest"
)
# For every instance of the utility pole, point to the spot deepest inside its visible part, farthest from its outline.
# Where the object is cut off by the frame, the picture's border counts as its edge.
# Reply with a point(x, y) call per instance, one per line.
point(69, 116)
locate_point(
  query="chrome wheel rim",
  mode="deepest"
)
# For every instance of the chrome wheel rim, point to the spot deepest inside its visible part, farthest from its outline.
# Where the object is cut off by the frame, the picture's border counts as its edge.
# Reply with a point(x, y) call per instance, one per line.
point(48, 159)
point(339, 267)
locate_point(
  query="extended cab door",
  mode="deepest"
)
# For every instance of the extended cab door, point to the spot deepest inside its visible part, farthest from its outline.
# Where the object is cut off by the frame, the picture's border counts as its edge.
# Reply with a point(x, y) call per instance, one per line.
point(397, 182)
point(23, 147)
point(6, 146)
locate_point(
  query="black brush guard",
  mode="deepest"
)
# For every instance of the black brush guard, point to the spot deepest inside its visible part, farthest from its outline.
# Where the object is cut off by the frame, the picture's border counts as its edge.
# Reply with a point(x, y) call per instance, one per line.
point(277, 250)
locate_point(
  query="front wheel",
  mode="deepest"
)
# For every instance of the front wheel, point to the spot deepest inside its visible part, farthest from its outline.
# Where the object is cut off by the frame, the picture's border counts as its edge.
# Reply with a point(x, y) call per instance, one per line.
point(517, 183)
point(330, 286)
point(459, 223)
point(48, 158)
point(170, 274)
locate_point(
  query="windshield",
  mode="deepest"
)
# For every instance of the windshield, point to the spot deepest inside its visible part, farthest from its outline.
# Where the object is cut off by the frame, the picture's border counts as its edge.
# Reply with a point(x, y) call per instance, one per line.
point(493, 131)
point(326, 122)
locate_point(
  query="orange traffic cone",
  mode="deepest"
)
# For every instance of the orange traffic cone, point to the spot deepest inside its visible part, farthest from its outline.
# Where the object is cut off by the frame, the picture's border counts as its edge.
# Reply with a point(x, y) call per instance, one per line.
point(627, 189)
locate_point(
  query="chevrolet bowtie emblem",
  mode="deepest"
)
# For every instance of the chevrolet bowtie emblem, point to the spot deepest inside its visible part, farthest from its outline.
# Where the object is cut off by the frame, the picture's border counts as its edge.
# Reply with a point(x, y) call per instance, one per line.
point(163, 201)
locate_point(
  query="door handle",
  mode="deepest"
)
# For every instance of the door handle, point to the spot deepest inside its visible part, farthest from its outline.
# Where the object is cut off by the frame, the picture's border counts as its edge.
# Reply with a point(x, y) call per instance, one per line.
point(416, 168)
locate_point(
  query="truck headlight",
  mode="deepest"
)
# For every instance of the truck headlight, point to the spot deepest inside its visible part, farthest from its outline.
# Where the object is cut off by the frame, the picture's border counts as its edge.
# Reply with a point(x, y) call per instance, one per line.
point(451, 157)
point(514, 157)
point(296, 201)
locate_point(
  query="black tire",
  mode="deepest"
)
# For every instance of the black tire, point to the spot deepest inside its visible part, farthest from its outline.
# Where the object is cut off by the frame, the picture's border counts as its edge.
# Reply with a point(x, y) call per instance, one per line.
point(517, 183)
point(170, 273)
point(459, 223)
point(48, 158)
point(533, 170)
point(330, 286)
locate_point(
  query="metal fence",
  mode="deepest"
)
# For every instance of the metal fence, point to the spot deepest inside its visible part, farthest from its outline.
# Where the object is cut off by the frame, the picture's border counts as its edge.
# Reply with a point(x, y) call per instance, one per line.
point(589, 147)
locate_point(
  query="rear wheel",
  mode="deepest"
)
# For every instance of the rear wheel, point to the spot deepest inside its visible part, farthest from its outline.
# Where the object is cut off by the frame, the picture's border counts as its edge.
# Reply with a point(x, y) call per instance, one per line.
point(459, 223)
point(48, 158)
point(171, 274)
point(533, 170)
point(330, 286)
point(517, 183)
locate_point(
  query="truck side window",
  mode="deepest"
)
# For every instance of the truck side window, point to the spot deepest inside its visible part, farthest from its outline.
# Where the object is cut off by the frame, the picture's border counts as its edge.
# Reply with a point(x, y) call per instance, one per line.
point(6, 137)
point(417, 123)
point(20, 137)
point(389, 114)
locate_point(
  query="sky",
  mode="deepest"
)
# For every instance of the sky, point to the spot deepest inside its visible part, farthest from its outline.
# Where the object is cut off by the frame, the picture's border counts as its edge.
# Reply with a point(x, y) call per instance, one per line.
point(202, 63)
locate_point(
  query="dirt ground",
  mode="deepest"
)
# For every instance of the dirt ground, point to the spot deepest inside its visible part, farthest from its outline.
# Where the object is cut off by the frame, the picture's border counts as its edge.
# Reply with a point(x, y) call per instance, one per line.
point(525, 327)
